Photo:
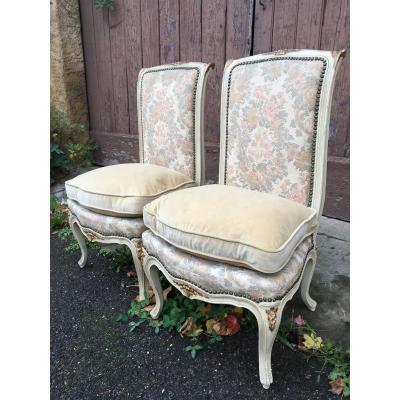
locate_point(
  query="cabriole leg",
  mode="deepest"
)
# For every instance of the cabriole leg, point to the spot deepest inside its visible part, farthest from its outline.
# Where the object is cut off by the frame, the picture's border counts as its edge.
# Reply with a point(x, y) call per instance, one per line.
point(80, 238)
point(268, 325)
point(306, 281)
point(153, 276)
point(135, 247)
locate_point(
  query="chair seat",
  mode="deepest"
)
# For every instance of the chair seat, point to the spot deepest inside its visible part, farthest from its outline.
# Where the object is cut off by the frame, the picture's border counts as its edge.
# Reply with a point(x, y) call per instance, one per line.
point(131, 228)
point(238, 226)
point(123, 190)
point(221, 278)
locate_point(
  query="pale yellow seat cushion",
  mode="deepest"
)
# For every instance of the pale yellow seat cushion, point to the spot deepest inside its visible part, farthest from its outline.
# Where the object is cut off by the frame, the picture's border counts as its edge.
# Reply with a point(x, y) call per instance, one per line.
point(124, 189)
point(239, 226)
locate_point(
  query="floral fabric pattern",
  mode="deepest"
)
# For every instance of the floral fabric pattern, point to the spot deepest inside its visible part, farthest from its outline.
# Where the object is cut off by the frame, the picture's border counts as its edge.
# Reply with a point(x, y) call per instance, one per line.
point(219, 277)
point(107, 225)
point(271, 126)
point(167, 106)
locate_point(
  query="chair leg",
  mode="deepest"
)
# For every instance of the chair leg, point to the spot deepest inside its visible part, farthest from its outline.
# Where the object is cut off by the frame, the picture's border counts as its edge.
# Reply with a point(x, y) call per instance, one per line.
point(268, 325)
point(153, 277)
point(136, 249)
point(306, 281)
point(80, 238)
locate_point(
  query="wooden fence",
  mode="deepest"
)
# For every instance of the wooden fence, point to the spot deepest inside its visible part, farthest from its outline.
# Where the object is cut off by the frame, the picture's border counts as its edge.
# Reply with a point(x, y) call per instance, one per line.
point(143, 33)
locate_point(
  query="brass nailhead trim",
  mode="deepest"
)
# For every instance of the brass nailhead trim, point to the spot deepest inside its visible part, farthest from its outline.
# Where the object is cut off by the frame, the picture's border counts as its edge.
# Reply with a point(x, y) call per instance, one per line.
point(260, 300)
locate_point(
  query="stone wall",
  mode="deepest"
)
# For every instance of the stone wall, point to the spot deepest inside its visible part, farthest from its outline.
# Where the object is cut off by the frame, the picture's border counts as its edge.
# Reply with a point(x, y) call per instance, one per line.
point(68, 85)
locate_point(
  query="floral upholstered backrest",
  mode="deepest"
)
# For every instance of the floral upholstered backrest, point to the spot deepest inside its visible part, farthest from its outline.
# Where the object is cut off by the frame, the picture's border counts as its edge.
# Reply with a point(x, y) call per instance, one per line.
point(274, 123)
point(170, 117)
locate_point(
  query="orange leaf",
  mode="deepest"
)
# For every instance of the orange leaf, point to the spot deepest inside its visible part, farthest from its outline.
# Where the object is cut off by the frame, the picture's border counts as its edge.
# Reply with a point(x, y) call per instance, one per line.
point(187, 327)
point(337, 386)
point(166, 292)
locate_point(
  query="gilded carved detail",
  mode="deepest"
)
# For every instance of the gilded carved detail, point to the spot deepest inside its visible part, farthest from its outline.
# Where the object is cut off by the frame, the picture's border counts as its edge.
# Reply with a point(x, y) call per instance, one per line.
point(272, 315)
point(139, 250)
point(189, 291)
point(91, 236)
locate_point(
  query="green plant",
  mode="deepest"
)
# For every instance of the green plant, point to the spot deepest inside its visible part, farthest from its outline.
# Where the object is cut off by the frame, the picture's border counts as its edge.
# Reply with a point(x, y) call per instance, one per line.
point(58, 217)
point(215, 338)
point(68, 146)
point(81, 154)
point(104, 4)
point(193, 318)
point(297, 334)
point(193, 349)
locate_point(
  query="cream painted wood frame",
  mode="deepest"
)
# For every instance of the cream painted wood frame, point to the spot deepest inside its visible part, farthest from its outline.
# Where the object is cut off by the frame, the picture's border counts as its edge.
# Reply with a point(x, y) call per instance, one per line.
point(268, 314)
point(135, 244)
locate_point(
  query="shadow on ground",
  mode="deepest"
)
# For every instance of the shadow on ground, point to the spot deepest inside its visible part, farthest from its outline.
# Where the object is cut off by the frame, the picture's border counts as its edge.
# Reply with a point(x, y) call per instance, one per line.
point(92, 356)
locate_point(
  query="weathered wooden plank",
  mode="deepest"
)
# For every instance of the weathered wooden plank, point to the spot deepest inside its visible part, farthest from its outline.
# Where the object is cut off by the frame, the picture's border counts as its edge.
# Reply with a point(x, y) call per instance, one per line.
point(89, 48)
point(133, 59)
point(169, 31)
point(309, 23)
point(337, 197)
point(118, 62)
point(213, 51)
point(285, 24)
point(263, 26)
point(239, 20)
point(211, 162)
point(335, 35)
point(103, 59)
point(115, 147)
point(190, 30)
point(150, 33)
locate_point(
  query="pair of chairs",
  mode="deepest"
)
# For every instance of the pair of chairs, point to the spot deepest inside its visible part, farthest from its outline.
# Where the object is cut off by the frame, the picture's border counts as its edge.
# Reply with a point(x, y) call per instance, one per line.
point(248, 241)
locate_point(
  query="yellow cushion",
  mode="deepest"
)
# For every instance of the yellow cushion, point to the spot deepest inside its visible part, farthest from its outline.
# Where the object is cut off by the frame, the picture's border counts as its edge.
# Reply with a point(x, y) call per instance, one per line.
point(239, 226)
point(124, 189)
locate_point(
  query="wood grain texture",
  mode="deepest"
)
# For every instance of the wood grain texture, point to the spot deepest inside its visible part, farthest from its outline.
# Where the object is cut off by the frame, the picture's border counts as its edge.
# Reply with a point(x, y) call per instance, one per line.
point(104, 68)
point(169, 31)
point(119, 105)
point(190, 30)
point(309, 23)
point(239, 20)
point(263, 26)
point(285, 24)
point(133, 46)
point(335, 35)
point(213, 51)
point(337, 197)
point(89, 48)
point(150, 33)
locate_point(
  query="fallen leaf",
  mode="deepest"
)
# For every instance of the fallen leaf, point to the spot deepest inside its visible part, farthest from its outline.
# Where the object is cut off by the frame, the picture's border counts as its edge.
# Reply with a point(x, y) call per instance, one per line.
point(312, 342)
point(149, 307)
point(337, 386)
point(166, 292)
point(130, 274)
point(232, 324)
point(188, 327)
point(150, 295)
point(210, 325)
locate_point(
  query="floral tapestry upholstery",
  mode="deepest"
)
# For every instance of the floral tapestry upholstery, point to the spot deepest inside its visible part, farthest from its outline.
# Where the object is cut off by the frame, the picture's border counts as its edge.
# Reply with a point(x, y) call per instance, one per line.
point(270, 126)
point(168, 118)
point(107, 225)
point(217, 277)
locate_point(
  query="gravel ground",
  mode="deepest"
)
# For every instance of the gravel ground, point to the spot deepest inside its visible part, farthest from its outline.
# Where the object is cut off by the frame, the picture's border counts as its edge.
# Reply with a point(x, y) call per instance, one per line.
point(94, 357)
